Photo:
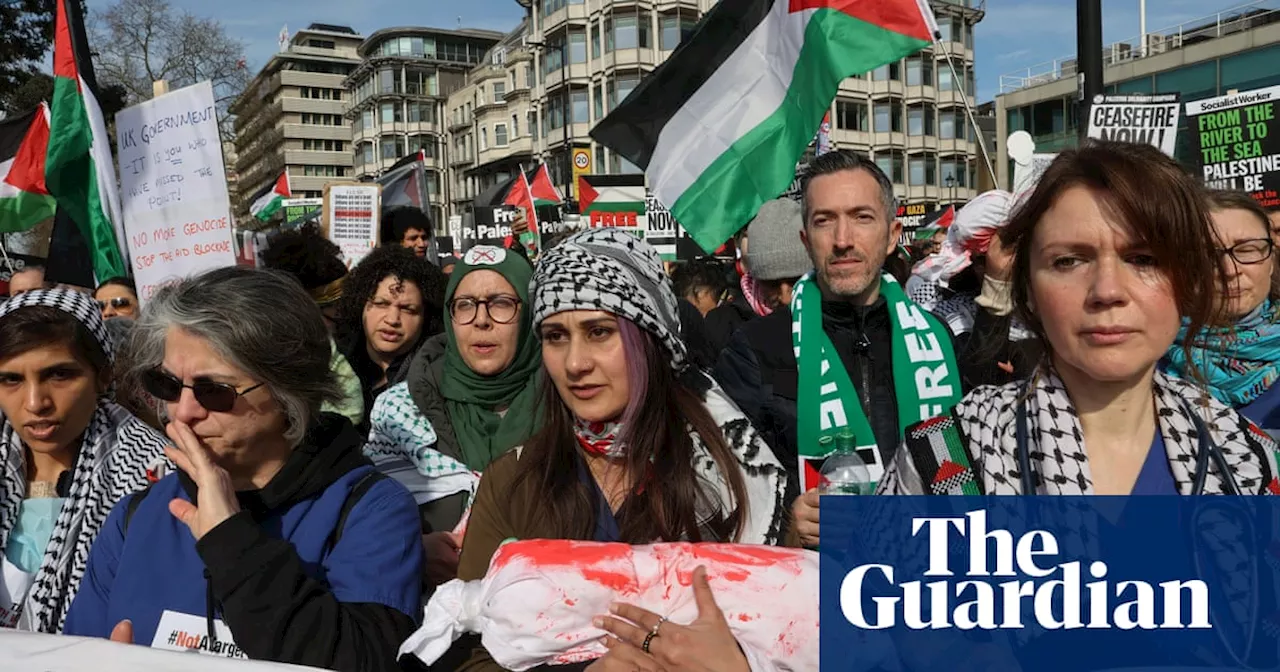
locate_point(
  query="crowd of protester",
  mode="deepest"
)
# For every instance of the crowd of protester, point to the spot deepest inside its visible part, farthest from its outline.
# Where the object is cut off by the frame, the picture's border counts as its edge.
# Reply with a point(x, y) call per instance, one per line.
point(294, 458)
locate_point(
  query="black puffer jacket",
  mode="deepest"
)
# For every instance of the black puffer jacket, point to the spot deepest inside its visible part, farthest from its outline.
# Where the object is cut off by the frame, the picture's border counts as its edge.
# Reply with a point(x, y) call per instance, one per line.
point(759, 372)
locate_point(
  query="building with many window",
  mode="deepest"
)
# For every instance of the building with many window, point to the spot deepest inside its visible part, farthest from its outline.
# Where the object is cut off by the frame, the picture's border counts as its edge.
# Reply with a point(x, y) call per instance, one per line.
point(291, 116)
point(398, 96)
point(542, 88)
point(490, 120)
point(910, 115)
point(1233, 50)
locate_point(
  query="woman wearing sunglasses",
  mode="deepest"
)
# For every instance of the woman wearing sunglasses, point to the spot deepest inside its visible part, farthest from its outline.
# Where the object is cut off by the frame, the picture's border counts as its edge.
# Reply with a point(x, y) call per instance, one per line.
point(470, 396)
point(117, 297)
point(67, 454)
point(1239, 358)
point(277, 540)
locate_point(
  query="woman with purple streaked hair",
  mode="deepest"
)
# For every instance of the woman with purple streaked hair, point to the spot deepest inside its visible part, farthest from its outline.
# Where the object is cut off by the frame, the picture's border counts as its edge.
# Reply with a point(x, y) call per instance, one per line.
point(636, 446)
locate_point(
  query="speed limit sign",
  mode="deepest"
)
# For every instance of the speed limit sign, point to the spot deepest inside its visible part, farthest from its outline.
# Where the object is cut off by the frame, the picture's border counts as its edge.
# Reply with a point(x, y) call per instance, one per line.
point(582, 159)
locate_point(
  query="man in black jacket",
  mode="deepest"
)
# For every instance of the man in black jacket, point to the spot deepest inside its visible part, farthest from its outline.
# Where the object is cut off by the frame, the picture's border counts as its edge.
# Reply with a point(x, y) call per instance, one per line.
point(849, 230)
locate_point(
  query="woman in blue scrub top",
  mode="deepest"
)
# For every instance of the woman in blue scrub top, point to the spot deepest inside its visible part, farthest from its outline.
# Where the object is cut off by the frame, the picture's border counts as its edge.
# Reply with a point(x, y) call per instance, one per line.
point(1239, 359)
point(1106, 275)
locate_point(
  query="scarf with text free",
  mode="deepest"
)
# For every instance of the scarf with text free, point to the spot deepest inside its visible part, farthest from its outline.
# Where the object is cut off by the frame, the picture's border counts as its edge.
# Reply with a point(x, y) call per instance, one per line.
point(926, 379)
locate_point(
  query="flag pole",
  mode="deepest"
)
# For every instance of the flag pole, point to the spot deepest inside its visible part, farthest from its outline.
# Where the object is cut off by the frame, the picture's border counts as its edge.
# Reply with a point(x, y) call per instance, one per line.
point(7, 261)
point(958, 85)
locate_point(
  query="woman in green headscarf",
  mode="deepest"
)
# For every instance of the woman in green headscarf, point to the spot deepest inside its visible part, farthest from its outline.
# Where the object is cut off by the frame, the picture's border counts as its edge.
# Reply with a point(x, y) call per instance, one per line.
point(471, 392)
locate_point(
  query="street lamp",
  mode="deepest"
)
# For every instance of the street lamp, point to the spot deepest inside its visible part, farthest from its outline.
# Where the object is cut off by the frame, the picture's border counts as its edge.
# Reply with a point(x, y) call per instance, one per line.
point(951, 187)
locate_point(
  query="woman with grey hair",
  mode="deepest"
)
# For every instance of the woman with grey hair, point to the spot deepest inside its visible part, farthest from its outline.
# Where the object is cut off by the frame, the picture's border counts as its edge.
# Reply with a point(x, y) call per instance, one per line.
point(277, 540)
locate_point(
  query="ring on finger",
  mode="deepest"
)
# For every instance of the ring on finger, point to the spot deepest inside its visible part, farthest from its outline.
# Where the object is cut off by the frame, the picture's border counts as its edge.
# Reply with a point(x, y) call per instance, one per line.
point(648, 639)
point(661, 620)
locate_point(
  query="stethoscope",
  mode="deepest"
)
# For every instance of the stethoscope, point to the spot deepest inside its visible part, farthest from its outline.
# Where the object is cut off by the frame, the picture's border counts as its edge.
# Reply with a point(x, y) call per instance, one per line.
point(1207, 450)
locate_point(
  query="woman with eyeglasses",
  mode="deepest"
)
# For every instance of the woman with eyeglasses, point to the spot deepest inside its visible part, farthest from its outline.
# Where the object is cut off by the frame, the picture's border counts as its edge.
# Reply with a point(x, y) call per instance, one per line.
point(470, 396)
point(1105, 275)
point(67, 453)
point(277, 540)
point(117, 297)
point(1239, 357)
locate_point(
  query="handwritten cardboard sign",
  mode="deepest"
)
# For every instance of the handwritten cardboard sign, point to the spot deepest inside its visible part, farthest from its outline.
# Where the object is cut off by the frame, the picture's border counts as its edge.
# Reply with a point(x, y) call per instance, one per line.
point(177, 215)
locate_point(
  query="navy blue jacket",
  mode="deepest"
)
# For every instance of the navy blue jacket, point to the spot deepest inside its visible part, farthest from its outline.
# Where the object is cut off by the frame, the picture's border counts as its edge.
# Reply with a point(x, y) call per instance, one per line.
point(273, 572)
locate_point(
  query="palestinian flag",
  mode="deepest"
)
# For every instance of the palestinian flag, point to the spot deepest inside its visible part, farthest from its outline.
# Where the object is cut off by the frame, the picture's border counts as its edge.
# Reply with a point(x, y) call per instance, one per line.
point(270, 198)
point(720, 125)
point(405, 184)
point(24, 144)
point(79, 169)
point(611, 200)
point(544, 191)
point(521, 196)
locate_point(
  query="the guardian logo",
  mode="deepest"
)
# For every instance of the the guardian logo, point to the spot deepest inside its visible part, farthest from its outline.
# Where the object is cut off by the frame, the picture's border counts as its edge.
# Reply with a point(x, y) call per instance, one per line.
point(1052, 599)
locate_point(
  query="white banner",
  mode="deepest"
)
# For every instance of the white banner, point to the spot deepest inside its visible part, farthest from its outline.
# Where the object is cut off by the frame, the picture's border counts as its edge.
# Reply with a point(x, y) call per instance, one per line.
point(351, 216)
point(177, 215)
point(1143, 119)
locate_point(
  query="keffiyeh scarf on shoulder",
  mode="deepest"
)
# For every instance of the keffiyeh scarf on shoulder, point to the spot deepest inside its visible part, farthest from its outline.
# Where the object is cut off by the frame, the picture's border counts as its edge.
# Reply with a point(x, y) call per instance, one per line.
point(986, 421)
point(115, 453)
point(763, 476)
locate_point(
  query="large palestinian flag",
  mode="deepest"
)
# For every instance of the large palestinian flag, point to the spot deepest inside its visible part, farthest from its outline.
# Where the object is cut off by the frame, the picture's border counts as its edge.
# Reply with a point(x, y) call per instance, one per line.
point(79, 170)
point(24, 199)
point(720, 125)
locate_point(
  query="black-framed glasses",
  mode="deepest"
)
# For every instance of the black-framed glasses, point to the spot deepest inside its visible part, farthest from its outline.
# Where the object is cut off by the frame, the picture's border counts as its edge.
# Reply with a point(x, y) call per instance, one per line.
point(1249, 252)
point(216, 397)
point(501, 309)
point(117, 303)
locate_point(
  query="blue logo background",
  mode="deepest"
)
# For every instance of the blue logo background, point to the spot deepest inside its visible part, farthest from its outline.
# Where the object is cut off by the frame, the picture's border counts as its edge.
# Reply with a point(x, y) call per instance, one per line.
point(1229, 543)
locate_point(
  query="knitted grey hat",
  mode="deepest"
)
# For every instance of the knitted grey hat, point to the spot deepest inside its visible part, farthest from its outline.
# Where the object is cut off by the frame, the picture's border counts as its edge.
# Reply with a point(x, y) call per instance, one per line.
point(774, 250)
point(613, 271)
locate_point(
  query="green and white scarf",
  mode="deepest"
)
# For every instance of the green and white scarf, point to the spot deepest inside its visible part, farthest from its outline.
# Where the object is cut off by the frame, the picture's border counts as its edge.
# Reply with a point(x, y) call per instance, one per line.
point(926, 379)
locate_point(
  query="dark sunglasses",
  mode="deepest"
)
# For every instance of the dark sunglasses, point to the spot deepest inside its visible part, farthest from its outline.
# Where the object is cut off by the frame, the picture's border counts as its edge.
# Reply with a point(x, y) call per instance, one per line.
point(216, 397)
point(117, 303)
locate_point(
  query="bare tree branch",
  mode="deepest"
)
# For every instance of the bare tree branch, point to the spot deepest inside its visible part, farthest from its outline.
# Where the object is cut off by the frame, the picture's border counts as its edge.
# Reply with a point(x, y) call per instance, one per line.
point(142, 41)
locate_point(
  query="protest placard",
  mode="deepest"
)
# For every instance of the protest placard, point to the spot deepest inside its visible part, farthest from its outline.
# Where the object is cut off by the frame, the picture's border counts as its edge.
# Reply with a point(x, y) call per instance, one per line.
point(616, 201)
point(1139, 118)
point(1238, 143)
point(298, 211)
point(351, 217)
point(661, 229)
point(177, 215)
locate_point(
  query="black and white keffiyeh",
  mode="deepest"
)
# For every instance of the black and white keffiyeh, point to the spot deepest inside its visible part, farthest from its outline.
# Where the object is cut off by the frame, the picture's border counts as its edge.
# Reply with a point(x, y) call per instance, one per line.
point(613, 271)
point(986, 417)
point(115, 453)
point(764, 477)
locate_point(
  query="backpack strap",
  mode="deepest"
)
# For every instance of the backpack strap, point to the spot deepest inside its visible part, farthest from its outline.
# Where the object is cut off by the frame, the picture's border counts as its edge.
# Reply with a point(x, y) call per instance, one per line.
point(939, 451)
point(362, 486)
point(132, 507)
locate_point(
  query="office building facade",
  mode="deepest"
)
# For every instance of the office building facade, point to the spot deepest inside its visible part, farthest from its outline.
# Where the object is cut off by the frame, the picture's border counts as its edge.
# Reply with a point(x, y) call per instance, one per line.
point(398, 99)
point(291, 116)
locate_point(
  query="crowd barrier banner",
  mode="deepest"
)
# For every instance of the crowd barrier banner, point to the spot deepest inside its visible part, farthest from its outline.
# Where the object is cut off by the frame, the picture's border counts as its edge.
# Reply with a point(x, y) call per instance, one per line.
point(177, 215)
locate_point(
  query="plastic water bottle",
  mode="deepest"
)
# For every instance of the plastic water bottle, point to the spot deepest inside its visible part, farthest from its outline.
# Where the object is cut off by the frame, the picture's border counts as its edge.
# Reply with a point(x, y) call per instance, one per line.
point(843, 472)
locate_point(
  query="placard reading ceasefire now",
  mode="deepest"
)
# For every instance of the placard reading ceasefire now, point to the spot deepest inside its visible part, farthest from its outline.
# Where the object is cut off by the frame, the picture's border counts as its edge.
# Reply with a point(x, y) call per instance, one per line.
point(1237, 143)
point(177, 216)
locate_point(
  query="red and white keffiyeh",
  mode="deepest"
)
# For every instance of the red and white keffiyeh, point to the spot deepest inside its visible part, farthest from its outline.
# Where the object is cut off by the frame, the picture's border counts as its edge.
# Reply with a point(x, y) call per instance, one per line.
point(536, 604)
